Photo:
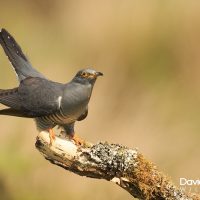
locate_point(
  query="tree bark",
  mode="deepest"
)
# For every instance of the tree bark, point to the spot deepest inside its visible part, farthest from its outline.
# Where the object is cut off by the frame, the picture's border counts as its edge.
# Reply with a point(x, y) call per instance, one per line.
point(113, 162)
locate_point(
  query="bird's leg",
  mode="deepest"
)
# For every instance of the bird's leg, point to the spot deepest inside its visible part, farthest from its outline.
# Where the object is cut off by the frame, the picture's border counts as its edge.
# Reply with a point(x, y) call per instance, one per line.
point(77, 139)
point(51, 136)
point(69, 129)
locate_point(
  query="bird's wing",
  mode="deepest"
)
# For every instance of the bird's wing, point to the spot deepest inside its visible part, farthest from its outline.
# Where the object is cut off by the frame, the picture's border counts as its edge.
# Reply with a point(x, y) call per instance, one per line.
point(14, 112)
point(10, 98)
point(17, 58)
point(34, 97)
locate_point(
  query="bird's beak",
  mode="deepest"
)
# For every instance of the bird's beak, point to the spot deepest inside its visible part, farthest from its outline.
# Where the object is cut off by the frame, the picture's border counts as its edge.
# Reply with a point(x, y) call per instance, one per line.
point(98, 74)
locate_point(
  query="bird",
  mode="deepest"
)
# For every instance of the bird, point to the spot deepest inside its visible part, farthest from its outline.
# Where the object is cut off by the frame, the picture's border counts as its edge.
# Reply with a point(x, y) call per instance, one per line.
point(50, 103)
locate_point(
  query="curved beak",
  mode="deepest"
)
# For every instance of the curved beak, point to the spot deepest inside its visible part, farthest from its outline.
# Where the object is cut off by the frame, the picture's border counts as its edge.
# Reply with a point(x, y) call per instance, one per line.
point(99, 74)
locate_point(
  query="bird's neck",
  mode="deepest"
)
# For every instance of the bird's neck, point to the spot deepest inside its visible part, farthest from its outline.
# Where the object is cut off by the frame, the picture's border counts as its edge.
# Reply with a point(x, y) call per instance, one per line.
point(83, 81)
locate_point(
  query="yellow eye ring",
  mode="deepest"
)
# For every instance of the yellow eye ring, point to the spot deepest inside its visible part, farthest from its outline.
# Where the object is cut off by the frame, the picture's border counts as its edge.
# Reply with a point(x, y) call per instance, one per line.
point(84, 74)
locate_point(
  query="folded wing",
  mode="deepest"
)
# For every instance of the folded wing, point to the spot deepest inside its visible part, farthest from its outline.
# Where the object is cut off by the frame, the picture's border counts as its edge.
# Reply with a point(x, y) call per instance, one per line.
point(34, 97)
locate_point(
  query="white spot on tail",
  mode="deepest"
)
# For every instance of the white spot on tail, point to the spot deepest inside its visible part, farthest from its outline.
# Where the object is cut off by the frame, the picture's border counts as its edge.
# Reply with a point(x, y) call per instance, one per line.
point(8, 37)
point(59, 101)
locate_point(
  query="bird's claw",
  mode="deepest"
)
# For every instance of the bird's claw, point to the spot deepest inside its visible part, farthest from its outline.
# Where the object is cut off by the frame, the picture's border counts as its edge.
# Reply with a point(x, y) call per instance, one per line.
point(74, 137)
point(77, 140)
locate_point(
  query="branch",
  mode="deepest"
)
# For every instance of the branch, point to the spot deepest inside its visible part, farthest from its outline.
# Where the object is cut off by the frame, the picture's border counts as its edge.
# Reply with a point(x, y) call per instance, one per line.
point(126, 167)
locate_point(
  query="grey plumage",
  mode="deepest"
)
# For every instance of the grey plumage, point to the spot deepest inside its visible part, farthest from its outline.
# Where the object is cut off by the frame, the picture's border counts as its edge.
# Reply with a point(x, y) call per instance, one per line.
point(50, 103)
point(17, 58)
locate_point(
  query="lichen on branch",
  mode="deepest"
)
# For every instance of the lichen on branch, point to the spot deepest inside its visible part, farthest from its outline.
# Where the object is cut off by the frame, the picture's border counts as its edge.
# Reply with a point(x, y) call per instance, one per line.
point(113, 162)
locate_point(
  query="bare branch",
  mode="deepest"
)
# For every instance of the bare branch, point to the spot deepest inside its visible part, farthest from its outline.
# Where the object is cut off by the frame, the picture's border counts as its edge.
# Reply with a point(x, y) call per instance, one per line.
point(125, 166)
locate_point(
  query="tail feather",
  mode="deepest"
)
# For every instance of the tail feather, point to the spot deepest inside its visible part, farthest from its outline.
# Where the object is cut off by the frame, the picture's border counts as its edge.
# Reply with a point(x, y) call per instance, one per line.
point(17, 58)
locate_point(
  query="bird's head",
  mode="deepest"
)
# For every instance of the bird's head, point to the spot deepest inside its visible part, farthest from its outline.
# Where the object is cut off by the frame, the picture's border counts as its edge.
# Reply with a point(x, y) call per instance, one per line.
point(87, 76)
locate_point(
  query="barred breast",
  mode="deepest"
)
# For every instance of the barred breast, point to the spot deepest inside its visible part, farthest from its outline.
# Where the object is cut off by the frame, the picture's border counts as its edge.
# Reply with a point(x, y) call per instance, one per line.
point(50, 121)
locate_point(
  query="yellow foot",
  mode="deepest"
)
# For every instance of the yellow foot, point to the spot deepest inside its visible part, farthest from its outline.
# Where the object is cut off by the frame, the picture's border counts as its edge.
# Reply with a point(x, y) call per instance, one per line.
point(51, 136)
point(77, 140)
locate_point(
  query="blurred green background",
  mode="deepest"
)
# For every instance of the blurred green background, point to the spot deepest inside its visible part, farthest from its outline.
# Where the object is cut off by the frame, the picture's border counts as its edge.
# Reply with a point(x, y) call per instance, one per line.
point(149, 97)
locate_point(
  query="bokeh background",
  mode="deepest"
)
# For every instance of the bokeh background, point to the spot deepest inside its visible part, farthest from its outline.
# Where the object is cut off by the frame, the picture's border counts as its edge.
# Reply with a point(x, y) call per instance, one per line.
point(149, 97)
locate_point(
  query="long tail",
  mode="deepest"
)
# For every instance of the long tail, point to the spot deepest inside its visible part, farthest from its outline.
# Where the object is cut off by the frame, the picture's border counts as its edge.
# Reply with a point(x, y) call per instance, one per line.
point(17, 58)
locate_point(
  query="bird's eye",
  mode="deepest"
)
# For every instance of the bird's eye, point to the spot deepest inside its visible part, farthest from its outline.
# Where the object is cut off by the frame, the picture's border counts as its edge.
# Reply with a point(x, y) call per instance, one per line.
point(84, 74)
